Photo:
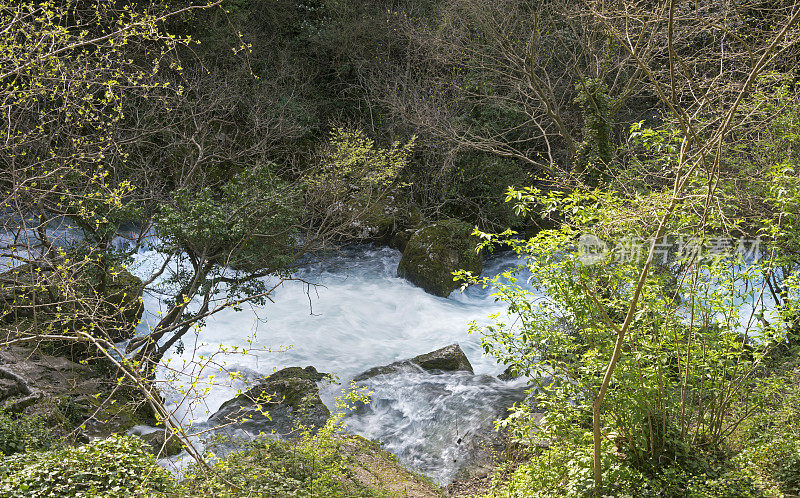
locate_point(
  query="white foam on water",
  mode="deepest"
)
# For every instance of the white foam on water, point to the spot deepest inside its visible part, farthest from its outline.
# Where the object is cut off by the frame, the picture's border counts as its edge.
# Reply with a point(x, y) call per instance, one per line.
point(358, 315)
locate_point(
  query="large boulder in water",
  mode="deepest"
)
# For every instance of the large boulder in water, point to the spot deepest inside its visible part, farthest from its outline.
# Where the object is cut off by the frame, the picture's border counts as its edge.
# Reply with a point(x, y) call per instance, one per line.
point(447, 359)
point(434, 252)
point(290, 398)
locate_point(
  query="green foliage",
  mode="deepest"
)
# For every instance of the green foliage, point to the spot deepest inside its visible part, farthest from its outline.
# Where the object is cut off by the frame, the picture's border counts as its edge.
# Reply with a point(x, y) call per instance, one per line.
point(564, 469)
point(19, 434)
point(111, 467)
point(352, 165)
point(686, 367)
point(787, 468)
point(311, 465)
point(655, 152)
point(64, 141)
point(697, 405)
point(250, 222)
point(65, 159)
point(355, 184)
point(765, 151)
point(274, 468)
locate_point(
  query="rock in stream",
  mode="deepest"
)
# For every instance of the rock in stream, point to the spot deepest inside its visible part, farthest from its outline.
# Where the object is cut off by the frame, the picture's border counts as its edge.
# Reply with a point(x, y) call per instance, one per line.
point(277, 405)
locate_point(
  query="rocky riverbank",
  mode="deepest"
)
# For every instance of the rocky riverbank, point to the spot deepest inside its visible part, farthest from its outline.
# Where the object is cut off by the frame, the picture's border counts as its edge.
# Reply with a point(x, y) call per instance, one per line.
point(85, 402)
point(289, 399)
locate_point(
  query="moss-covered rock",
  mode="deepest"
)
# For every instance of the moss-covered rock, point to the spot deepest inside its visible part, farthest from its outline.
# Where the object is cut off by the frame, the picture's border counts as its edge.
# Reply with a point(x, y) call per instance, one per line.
point(308, 373)
point(114, 304)
point(434, 252)
point(447, 359)
point(163, 443)
point(379, 471)
point(279, 404)
point(69, 395)
point(116, 412)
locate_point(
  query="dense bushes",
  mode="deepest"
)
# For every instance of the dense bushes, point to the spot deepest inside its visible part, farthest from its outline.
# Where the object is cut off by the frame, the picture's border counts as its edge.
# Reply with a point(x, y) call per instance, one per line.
point(475, 190)
point(692, 372)
point(564, 470)
point(319, 464)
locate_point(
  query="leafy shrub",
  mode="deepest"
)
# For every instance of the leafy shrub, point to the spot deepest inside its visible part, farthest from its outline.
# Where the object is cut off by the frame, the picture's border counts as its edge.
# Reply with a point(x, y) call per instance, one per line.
point(309, 466)
point(19, 434)
point(564, 469)
point(117, 466)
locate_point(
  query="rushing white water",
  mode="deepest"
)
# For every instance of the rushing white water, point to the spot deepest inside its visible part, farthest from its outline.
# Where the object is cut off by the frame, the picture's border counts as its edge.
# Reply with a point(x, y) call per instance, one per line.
point(435, 424)
point(359, 315)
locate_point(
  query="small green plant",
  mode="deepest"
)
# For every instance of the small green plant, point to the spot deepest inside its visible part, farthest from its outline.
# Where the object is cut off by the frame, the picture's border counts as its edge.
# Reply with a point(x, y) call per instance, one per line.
point(117, 466)
point(19, 434)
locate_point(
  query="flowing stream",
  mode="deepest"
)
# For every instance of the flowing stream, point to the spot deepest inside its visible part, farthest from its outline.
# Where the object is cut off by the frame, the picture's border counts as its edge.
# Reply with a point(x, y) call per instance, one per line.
point(357, 316)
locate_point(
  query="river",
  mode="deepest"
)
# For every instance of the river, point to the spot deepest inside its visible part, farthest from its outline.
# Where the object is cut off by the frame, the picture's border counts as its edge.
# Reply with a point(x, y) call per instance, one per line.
point(357, 315)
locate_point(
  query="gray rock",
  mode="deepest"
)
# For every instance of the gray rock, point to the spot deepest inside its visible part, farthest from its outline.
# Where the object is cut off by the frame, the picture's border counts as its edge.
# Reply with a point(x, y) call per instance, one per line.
point(308, 373)
point(278, 405)
point(447, 359)
point(161, 444)
point(509, 374)
point(434, 252)
point(69, 395)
